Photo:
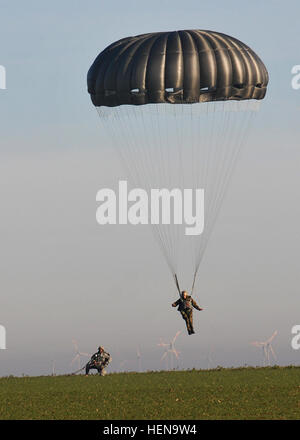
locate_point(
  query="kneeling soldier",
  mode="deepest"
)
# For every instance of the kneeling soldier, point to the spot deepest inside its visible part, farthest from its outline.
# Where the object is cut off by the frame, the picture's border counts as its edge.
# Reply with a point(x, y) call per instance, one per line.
point(98, 361)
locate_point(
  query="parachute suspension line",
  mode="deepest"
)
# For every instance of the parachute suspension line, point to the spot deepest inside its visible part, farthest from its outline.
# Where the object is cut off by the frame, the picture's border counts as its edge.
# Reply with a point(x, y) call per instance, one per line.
point(166, 146)
point(206, 153)
point(136, 156)
point(172, 161)
point(194, 280)
point(156, 168)
point(177, 284)
point(160, 164)
point(195, 152)
point(110, 120)
point(195, 160)
point(224, 176)
point(178, 170)
point(198, 159)
point(137, 161)
point(214, 165)
point(227, 139)
point(152, 144)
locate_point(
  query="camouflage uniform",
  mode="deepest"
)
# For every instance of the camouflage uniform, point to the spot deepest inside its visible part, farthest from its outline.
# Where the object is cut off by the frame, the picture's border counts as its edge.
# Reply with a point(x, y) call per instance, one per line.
point(98, 362)
point(185, 307)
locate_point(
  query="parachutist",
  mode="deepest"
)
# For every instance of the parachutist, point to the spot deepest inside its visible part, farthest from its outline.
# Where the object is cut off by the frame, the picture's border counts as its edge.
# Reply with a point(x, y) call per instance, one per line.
point(185, 306)
point(98, 361)
point(177, 105)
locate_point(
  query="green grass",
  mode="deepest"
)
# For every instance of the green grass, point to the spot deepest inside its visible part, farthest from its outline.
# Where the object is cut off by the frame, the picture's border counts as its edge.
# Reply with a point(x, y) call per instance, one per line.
point(240, 393)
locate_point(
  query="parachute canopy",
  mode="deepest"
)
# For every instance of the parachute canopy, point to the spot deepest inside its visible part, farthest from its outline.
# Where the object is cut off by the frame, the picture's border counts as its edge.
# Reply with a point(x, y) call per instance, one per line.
point(186, 66)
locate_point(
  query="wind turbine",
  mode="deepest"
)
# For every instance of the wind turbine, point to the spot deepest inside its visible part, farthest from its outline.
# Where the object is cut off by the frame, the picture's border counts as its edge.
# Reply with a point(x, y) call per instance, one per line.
point(139, 359)
point(170, 350)
point(78, 354)
point(267, 349)
point(53, 368)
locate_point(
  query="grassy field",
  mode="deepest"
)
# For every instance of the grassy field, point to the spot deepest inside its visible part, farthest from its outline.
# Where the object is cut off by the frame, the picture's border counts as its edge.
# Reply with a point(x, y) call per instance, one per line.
point(241, 393)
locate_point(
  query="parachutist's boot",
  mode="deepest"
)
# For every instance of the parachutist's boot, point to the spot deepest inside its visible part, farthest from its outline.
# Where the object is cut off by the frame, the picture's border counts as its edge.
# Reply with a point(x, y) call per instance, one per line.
point(192, 330)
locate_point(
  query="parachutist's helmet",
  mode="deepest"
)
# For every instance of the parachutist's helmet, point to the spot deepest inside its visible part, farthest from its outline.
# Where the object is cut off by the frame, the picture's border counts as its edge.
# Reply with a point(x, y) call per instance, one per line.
point(101, 348)
point(184, 293)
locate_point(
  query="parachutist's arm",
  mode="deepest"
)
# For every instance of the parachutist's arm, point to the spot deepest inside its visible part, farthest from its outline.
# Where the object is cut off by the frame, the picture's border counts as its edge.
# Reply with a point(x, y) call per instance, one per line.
point(195, 305)
point(176, 303)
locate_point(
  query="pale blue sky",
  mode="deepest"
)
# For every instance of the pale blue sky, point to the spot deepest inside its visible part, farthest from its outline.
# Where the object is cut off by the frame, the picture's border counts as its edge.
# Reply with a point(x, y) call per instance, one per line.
point(63, 276)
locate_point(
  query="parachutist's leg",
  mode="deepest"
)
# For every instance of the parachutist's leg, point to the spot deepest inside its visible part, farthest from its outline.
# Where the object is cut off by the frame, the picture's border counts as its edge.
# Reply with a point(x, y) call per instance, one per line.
point(190, 315)
point(87, 368)
point(186, 318)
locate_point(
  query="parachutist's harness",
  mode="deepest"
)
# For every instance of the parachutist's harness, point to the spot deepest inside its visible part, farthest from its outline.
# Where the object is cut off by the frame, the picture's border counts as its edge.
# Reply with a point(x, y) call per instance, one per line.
point(177, 283)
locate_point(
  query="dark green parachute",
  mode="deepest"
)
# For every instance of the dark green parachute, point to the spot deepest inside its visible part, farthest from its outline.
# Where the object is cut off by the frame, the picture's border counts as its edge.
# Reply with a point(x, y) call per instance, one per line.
point(176, 67)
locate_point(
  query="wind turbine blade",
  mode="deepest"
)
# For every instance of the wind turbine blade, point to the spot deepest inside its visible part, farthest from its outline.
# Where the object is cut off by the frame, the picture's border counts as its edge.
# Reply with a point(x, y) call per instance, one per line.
point(84, 354)
point(175, 337)
point(257, 344)
point(272, 337)
point(74, 359)
point(163, 344)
